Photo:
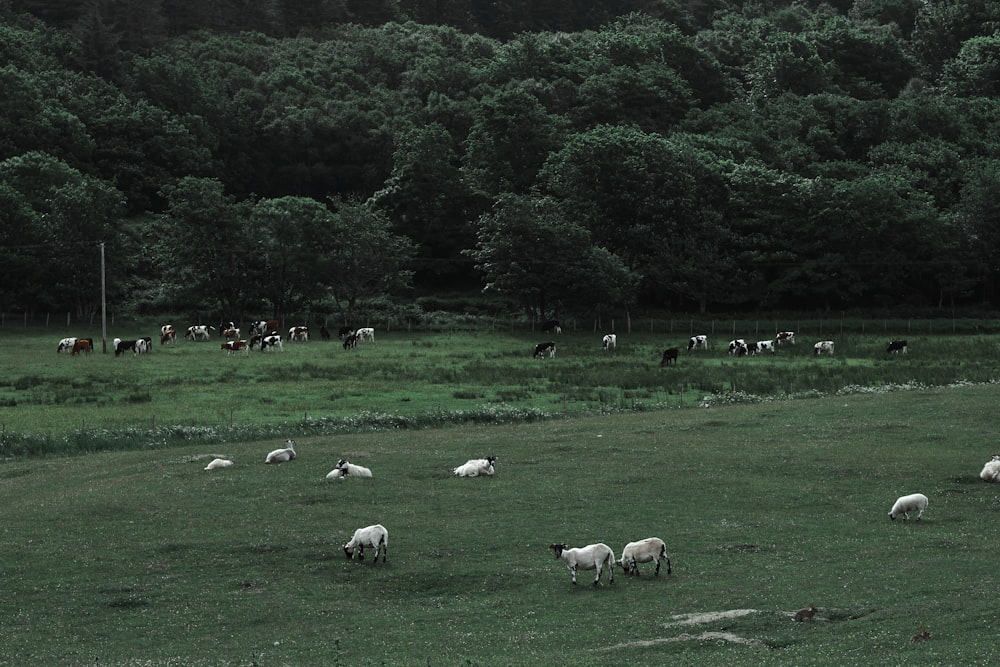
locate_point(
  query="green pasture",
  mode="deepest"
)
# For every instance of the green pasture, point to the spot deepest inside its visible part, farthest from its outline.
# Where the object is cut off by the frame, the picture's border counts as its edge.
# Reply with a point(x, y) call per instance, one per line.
point(55, 403)
point(143, 558)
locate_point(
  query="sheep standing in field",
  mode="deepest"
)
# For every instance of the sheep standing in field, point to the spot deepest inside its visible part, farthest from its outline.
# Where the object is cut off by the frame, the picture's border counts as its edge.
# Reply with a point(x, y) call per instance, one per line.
point(287, 453)
point(590, 557)
point(644, 551)
point(991, 471)
point(375, 536)
point(351, 470)
point(476, 467)
point(906, 504)
point(215, 464)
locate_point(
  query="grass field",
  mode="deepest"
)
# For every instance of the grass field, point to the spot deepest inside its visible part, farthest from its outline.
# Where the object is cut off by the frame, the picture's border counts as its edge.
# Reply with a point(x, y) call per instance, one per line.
point(140, 557)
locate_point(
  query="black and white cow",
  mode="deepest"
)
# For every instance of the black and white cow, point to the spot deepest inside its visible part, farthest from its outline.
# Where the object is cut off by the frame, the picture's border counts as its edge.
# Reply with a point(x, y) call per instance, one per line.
point(896, 346)
point(738, 348)
point(542, 348)
point(699, 342)
point(823, 347)
point(552, 326)
point(199, 331)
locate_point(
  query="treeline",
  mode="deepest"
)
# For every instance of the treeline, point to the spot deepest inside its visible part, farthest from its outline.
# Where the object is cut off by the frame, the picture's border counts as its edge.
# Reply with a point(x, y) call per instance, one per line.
point(281, 156)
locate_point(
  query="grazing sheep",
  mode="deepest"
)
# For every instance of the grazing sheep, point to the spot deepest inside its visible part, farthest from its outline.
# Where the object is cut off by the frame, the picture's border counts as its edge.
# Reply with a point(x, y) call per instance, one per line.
point(805, 614)
point(373, 536)
point(643, 551)
point(287, 453)
point(590, 557)
point(921, 636)
point(218, 463)
point(476, 467)
point(351, 470)
point(991, 471)
point(906, 504)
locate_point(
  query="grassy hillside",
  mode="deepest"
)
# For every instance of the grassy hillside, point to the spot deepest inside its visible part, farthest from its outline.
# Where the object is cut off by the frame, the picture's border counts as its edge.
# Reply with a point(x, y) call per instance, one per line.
point(143, 558)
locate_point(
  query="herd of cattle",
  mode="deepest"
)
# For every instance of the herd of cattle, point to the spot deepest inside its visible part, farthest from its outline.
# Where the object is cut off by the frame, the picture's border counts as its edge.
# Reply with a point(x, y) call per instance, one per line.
point(263, 335)
point(737, 347)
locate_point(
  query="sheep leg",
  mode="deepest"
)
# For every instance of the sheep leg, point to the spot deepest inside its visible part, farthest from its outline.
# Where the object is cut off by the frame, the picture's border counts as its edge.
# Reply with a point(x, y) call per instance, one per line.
point(669, 570)
point(597, 581)
point(657, 573)
point(573, 570)
point(361, 552)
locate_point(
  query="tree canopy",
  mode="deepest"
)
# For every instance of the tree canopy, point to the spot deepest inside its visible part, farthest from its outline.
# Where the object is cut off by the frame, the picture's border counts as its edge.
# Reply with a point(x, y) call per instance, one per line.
point(308, 154)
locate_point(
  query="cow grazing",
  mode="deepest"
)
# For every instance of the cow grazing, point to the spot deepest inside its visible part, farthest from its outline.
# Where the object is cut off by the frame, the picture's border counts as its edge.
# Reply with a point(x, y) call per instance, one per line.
point(551, 326)
point(823, 347)
point(542, 348)
point(669, 356)
point(199, 332)
point(235, 346)
point(231, 332)
point(143, 345)
point(261, 327)
point(765, 346)
point(785, 338)
point(298, 334)
point(609, 342)
point(896, 346)
point(365, 333)
point(82, 345)
point(738, 348)
point(65, 344)
point(168, 336)
point(350, 341)
point(123, 346)
point(699, 342)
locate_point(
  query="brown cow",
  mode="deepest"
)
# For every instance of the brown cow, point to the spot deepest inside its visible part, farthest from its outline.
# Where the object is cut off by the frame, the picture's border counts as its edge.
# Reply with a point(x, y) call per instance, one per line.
point(82, 345)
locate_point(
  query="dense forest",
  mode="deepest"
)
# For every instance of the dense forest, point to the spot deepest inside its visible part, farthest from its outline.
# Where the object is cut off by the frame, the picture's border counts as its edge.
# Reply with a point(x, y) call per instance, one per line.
point(267, 157)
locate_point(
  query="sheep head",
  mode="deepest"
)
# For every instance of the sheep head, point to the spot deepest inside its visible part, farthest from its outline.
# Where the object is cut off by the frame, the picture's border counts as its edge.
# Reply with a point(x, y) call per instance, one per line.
point(557, 549)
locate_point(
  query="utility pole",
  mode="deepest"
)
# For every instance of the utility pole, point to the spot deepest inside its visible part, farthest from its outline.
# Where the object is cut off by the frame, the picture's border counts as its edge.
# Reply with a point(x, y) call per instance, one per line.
point(104, 307)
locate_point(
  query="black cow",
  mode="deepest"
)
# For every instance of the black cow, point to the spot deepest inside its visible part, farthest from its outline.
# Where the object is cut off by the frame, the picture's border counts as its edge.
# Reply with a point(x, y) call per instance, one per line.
point(669, 355)
point(896, 347)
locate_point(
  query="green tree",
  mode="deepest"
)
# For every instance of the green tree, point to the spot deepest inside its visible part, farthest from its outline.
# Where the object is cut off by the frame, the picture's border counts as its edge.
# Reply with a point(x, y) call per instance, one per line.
point(69, 214)
point(528, 249)
point(367, 257)
point(209, 253)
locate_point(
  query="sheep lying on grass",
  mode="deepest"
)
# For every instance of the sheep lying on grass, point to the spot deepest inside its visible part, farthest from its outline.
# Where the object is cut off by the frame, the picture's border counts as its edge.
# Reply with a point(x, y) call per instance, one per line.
point(351, 470)
point(644, 551)
point(336, 473)
point(375, 536)
point(287, 453)
point(590, 557)
point(907, 504)
point(476, 467)
point(218, 463)
point(991, 471)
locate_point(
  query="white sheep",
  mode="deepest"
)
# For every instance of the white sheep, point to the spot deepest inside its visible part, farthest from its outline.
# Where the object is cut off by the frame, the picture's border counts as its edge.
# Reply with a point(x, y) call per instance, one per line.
point(991, 471)
point(590, 557)
point(643, 551)
point(906, 504)
point(287, 453)
point(336, 473)
point(218, 463)
point(351, 470)
point(372, 536)
point(476, 467)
